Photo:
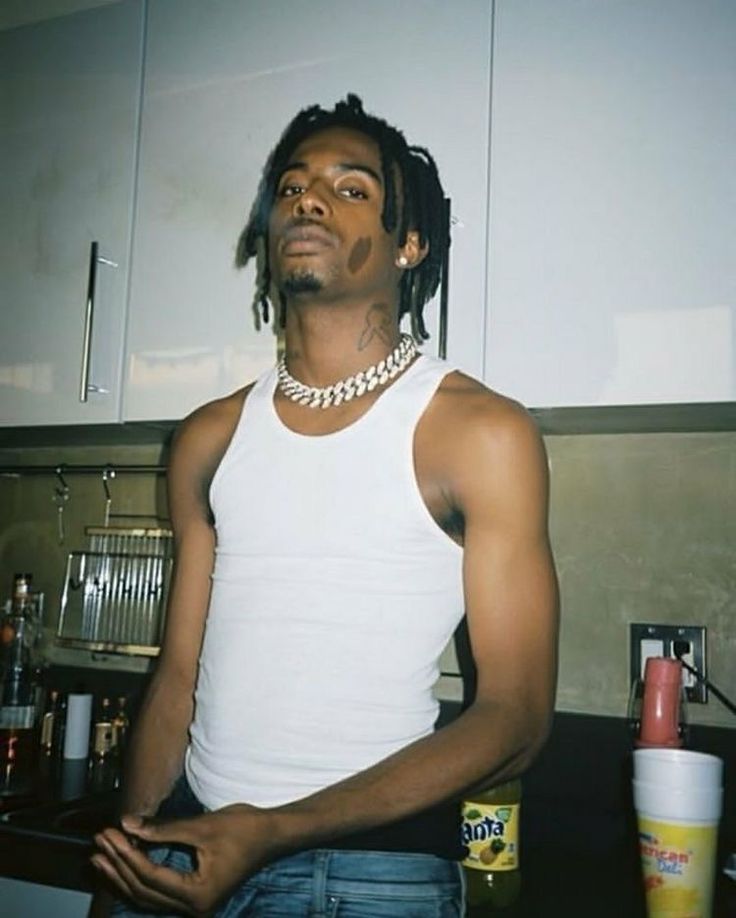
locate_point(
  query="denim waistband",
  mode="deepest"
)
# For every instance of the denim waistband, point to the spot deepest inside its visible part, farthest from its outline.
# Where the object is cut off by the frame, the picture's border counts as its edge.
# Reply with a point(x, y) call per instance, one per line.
point(434, 831)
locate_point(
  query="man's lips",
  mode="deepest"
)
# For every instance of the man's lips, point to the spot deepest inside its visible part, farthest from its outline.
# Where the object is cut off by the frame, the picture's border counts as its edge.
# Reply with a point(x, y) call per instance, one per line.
point(305, 238)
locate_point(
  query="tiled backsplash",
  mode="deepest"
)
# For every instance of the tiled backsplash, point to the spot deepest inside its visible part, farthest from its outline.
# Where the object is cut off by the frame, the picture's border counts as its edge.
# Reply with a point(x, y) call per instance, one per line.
point(643, 529)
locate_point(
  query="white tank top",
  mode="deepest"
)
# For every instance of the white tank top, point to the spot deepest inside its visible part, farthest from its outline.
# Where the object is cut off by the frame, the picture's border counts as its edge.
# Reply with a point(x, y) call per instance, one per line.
point(334, 593)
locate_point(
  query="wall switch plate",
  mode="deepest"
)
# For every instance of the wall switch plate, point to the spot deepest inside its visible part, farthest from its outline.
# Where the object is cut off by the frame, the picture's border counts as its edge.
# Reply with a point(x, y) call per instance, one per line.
point(658, 641)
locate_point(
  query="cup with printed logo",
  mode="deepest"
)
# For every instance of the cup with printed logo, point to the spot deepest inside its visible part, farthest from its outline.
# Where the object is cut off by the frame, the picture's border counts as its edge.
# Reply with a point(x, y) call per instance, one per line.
point(678, 796)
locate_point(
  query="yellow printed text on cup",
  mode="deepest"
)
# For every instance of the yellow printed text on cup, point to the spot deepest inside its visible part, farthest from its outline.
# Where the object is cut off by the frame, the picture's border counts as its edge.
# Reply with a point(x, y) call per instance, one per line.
point(678, 863)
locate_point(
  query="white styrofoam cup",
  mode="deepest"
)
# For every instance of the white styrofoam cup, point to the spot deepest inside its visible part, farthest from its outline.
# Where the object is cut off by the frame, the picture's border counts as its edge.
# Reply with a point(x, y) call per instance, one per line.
point(694, 806)
point(678, 768)
point(678, 796)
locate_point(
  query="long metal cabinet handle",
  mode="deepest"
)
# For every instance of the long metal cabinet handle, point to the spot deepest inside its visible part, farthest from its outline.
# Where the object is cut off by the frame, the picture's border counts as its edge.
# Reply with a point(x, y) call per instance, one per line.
point(444, 287)
point(89, 314)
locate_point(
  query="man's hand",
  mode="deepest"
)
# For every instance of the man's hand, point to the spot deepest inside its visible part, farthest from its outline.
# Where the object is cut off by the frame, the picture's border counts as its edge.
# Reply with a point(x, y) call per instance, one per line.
point(227, 846)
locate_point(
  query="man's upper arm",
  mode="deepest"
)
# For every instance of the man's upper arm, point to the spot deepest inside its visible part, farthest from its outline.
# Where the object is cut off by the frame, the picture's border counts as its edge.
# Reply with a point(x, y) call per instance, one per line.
point(198, 447)
point(509, 579)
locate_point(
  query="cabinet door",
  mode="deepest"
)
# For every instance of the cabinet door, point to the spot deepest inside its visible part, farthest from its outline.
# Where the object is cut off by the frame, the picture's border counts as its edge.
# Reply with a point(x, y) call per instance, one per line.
point(70, 96)
point(613, 191)
point(221, 82)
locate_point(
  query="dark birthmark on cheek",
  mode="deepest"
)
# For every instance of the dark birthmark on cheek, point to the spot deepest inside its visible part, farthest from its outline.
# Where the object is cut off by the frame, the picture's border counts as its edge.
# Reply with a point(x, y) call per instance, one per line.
point(359, 254)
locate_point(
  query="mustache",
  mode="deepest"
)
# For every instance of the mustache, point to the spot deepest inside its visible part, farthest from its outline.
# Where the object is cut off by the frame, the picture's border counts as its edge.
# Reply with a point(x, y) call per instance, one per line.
point(306, 229)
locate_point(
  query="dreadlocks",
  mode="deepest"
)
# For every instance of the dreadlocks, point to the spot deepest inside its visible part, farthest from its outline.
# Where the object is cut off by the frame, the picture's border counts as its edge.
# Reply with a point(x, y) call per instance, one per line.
point(423, 208)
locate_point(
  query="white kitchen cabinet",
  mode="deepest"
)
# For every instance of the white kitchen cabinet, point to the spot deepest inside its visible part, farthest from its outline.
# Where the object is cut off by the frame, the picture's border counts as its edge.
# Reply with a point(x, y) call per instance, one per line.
point(613, 202)
point(70, 98)
point(605, 277)
point(221, 82)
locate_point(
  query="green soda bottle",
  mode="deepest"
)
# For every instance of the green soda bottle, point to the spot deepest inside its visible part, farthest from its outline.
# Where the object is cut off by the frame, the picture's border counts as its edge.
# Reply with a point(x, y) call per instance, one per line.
point(490, 830)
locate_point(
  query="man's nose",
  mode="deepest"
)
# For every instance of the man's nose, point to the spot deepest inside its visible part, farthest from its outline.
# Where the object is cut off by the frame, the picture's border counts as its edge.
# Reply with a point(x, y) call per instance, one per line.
point(310, 202)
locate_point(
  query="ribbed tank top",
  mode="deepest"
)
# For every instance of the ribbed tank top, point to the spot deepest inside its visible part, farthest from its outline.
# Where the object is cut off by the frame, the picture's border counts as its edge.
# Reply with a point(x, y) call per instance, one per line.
point(333, 594)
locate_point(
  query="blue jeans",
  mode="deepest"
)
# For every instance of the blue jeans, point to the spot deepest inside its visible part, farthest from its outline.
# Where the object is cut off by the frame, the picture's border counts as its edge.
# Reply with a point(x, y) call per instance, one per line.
point(340, 884)
point(351, 884)
point(327, 883)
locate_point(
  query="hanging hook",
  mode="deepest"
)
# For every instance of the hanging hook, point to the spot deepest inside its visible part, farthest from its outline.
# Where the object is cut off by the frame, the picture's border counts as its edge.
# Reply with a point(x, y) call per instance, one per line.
point(108, 473)
point(62, 488)
point(60, 497)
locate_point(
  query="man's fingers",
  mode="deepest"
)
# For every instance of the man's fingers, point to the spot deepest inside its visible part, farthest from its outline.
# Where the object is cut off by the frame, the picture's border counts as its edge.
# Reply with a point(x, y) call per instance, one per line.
point(102, 864)
point(181, 831)
point(142, 880)
point(133, 820)
point(123, 882)
point(183, 888)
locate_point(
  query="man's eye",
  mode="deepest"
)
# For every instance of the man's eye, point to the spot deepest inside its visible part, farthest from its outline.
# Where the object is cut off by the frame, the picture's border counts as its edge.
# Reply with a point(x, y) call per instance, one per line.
point(353, 191)
point(289, 190)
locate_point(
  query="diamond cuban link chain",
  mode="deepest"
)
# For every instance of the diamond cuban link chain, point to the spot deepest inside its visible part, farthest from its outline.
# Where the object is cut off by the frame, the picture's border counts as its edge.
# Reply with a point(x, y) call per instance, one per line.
point(352, 387)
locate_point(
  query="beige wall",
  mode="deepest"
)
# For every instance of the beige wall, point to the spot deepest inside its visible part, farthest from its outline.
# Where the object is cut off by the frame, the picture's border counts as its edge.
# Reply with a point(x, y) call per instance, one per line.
point(644, 530)
point(643, 527)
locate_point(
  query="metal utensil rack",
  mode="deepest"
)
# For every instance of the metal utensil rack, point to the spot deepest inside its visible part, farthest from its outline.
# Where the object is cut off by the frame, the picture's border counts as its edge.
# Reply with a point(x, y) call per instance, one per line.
point(114, 592)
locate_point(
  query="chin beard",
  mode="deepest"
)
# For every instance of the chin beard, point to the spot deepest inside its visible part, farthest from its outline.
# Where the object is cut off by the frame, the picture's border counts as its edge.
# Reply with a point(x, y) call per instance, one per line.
point(304, 281)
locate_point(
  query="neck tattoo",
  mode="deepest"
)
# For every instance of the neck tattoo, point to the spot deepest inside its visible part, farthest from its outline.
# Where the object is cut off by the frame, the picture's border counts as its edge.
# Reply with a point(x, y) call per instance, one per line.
point(353, 386)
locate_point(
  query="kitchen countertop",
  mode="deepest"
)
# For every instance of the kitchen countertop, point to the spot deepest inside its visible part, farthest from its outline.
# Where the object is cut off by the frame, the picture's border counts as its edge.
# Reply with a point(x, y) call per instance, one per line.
point(578, 844)
point(46, 833)
point(51, 844)
point(579, 841)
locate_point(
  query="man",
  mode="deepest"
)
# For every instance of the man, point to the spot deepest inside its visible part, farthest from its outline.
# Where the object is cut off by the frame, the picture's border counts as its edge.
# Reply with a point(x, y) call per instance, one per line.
point(348, 507)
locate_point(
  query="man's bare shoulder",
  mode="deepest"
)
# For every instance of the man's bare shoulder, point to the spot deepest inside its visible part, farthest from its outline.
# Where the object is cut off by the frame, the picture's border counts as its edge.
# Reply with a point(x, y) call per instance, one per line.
point(485, 445)
point(203, 436)
point(199, 444)
point(212, 422)
point(470, 410)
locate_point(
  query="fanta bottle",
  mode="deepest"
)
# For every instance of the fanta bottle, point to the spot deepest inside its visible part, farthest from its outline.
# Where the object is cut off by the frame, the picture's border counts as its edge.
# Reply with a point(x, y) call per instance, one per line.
point(490, 831)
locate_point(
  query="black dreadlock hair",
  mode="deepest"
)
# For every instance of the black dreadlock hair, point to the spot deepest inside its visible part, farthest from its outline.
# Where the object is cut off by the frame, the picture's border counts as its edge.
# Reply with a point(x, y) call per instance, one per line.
point(423, 208)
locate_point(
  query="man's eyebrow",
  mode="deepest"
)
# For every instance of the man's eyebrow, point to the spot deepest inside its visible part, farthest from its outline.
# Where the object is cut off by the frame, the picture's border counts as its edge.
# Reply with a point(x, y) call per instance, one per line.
point(361, 167)
point(298, 164)
point(342, 167)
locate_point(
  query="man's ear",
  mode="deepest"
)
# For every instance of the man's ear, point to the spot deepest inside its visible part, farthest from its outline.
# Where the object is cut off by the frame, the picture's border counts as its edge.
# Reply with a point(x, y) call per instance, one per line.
point(411, 253)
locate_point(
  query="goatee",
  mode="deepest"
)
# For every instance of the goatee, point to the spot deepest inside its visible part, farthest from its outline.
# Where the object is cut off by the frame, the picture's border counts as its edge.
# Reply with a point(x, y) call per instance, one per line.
point(301, 282)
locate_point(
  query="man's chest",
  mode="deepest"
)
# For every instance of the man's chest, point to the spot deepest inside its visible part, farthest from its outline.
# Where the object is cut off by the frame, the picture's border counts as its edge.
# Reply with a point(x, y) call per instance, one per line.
point(433, 451)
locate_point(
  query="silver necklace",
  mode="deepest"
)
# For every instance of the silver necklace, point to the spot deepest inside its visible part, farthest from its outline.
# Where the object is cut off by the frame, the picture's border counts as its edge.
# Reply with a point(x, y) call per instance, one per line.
point(353, 386)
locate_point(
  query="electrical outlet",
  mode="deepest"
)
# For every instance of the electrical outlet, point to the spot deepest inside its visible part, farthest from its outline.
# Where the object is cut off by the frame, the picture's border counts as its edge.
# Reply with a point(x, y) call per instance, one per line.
point(658, 641)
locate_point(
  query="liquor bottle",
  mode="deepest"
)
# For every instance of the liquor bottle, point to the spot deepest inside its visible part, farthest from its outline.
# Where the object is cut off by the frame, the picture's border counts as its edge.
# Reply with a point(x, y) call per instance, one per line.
point(48, 730)
point(103, 733)
point(121, 723)
point(59, 728)
point(103, 775)
point(490, 830)
point(21, 596)
point(18, 692)
point(21, 604)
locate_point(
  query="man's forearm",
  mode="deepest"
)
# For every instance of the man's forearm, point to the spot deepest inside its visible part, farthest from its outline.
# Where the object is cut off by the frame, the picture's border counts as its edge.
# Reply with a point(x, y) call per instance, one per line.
point(157, 747)
point(484, 746)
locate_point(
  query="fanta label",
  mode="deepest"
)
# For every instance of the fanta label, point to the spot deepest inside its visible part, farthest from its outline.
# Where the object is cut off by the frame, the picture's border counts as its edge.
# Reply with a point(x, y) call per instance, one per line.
point(491, 834)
